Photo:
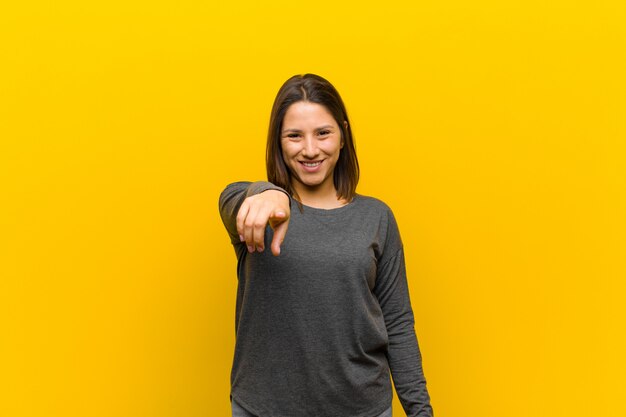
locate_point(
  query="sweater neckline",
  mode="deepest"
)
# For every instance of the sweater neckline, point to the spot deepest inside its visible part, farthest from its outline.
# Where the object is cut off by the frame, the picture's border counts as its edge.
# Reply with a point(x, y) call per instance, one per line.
point(331, 211)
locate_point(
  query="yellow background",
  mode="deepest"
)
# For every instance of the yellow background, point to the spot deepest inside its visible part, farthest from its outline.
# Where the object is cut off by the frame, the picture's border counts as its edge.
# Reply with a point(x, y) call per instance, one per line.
point(494, 130)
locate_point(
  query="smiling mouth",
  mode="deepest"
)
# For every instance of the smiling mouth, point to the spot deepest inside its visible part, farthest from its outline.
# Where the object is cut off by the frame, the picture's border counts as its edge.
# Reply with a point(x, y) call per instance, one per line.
point(311, 164)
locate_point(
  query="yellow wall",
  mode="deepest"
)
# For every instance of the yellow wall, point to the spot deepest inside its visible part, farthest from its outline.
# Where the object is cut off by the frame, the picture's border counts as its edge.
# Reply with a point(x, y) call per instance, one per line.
point(494, 130)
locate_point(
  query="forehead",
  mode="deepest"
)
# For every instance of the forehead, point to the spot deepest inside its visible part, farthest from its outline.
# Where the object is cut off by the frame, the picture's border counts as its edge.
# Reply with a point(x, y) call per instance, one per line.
point(306, 114)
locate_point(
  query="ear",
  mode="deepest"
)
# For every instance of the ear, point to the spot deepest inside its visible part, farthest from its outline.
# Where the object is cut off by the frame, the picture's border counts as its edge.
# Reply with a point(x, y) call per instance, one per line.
point(345, 123)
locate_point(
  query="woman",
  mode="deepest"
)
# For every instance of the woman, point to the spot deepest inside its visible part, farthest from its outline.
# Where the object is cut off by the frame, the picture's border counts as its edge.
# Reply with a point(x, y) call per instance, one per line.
point(323, 317)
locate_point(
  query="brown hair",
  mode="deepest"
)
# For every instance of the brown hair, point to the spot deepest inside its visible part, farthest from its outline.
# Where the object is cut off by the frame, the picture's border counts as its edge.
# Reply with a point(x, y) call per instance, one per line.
point(315, 89)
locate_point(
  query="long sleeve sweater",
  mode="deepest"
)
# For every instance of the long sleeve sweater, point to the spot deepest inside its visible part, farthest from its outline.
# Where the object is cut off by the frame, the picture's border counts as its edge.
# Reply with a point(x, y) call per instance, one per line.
point(320, 327)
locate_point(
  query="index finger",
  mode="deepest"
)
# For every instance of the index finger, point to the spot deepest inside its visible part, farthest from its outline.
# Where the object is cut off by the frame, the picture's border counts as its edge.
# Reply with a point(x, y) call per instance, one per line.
point(279, 236)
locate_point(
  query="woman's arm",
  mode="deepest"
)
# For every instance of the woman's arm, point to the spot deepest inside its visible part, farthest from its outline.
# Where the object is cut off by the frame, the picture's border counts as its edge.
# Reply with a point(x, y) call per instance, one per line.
point(245, 212)
point(403, 355)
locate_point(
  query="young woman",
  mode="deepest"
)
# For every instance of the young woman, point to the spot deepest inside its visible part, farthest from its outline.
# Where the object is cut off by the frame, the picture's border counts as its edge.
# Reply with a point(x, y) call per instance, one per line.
point(323, 313)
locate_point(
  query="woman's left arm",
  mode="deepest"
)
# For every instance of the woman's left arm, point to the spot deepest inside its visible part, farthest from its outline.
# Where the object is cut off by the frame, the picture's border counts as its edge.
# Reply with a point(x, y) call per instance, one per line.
point(403, 355)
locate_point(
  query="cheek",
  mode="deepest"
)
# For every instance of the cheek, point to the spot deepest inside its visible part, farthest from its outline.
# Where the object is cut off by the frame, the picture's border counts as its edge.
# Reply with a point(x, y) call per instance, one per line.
point(287, 155)
point(289, 159)
point(334, 150)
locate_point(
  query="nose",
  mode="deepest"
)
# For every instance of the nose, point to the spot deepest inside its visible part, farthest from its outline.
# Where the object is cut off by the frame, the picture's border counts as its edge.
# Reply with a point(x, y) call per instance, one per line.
point(310, 149)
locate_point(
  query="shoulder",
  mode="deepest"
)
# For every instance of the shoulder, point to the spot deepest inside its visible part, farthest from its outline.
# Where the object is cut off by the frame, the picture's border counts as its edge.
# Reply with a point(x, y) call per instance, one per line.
point(385, 227)
point(375, 204)
point(377, 210)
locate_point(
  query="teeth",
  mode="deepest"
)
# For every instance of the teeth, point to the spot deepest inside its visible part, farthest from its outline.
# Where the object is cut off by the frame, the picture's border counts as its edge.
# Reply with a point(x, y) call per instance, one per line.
point(312, 164)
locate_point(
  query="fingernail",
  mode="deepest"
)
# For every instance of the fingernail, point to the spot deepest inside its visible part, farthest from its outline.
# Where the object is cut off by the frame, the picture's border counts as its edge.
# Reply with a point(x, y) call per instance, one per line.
point(241, 238)
point(250, 249)
point(260, 249)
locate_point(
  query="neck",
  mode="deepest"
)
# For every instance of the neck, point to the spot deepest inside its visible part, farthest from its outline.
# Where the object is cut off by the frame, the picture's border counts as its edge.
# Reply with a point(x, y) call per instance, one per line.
point(322, 196)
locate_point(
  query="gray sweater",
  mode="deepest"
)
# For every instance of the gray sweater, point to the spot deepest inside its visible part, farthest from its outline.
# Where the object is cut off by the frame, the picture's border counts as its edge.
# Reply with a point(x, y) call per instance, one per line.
point(319, 327)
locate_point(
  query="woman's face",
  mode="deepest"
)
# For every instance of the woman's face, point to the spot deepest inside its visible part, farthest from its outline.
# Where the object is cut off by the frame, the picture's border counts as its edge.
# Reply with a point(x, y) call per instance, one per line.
point(311, 142)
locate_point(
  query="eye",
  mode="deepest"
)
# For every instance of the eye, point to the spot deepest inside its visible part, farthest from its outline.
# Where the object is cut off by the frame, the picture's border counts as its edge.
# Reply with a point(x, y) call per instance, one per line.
point(324, 132)
point(292, 135)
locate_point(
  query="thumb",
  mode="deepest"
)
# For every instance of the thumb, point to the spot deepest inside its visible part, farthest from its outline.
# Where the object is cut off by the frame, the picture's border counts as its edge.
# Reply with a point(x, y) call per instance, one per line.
point(280, 214)
point(277, 217)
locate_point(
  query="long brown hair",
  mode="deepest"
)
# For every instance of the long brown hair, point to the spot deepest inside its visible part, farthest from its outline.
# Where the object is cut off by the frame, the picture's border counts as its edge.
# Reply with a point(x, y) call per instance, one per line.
point(315, 89)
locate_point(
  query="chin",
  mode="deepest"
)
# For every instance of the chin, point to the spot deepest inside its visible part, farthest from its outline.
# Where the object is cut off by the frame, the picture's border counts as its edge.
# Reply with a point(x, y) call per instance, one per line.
point(315, 183)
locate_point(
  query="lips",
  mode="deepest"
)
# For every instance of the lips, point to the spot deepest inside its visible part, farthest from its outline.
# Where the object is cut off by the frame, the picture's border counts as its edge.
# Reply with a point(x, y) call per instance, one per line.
point(311, 168)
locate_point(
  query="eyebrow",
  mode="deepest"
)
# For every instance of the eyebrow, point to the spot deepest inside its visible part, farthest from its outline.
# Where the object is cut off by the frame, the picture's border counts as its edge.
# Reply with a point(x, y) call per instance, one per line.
point(298, 130)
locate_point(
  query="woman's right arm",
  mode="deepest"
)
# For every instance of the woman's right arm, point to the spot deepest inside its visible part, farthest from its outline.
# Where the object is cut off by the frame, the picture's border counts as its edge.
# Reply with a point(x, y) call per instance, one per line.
point(246, 209)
